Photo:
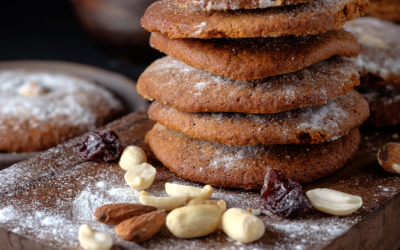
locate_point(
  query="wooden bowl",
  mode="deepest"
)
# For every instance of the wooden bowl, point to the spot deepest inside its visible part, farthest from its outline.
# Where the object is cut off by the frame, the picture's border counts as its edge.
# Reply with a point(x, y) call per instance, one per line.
point(122, 87)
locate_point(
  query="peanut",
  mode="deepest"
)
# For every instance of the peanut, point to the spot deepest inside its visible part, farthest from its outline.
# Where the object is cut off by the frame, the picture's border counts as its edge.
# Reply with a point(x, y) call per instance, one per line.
point(91, 239)
point(193, 221)
point(141, 176)
point(242, 226)
point(334, 202)
point(132, 156)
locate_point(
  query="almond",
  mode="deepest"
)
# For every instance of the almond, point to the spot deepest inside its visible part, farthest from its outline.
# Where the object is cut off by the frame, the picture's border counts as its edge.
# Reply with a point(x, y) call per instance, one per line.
point(141, 228)
point(113, 214)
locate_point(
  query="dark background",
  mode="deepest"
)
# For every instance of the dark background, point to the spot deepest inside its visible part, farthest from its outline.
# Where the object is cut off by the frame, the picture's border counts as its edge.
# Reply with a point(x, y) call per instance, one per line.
point(49, 30)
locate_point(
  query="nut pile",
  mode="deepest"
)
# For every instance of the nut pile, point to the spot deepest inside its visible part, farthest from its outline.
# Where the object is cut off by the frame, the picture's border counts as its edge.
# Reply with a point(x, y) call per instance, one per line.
point(201, 216)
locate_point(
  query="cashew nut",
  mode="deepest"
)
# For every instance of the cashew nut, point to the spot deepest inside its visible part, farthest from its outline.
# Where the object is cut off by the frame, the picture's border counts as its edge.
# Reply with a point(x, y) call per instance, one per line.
point(132, 156)
point(162, 203)
point(193, 221)
point(91, 239)
point(334, 202)
point(221, 204)
point(372, 41)
point(192, 192)
point(32, 89)
point(141, 176)
point(242, 226)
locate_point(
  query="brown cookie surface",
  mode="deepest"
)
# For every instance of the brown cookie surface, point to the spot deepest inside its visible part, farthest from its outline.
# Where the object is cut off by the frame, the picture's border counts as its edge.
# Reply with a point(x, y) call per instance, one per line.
point(310, 18)
point(208, 5)
point(187, 89)
point(39, 110)
point(384, 105)
point(379, 59)
point(313, 124)
point(257, 58)
point(245, 166)
point(385, 9)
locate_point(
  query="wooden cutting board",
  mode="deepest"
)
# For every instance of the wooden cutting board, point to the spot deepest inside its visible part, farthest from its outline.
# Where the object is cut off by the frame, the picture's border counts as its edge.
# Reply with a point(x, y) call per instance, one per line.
point(45, 199)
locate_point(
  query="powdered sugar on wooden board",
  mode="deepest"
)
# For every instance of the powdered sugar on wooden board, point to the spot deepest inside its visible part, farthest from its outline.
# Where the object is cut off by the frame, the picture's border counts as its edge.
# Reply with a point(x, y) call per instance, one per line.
point(58, 217)
point(49, 208)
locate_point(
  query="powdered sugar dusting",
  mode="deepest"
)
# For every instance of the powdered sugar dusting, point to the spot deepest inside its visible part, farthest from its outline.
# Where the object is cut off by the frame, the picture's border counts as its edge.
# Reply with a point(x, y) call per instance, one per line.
point(377, 60)
point(329, 121)
point(48, 198)
point(312, 17)
point(313, 85)
point(58, 218)
point(235, 4)
point(64, 101)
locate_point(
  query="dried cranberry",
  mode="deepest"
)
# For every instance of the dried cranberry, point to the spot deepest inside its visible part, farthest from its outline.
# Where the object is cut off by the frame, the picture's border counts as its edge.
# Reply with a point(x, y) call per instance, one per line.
point(283, 196)
point(101, 146)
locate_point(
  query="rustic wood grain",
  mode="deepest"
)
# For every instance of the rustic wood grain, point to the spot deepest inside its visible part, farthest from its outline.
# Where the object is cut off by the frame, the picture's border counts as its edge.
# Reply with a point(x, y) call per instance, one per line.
point(52, 181)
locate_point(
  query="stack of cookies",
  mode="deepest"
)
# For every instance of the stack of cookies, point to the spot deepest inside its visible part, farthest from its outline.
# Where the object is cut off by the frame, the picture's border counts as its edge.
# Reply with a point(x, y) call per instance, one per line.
point(379, 67)
point(249, 85)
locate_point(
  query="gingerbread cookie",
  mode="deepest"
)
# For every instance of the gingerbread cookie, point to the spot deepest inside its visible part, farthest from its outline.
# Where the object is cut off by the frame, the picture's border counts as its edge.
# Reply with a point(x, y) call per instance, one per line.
point(385, 9)
point(257, 58)
point(379, 59)
point(39, 110)
point(310, 18)
point(187, 89)
point(208, 5)
point(313, 124)
point(384, 104)
point(245, 166)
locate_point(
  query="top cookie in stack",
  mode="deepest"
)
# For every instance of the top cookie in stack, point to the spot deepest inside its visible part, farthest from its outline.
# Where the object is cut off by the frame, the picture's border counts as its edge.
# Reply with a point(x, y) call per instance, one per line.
point(261, 87)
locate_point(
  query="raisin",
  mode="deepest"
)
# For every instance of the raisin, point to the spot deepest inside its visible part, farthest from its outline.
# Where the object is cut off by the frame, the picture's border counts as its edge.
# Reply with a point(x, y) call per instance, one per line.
point(101, 146)
point(283, 196)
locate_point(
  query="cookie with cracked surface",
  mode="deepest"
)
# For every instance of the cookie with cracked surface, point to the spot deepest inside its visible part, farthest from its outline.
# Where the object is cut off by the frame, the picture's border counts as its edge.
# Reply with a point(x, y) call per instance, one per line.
point(187, 89)
point(208, 5)
point(385, 9)
point(257, 58)
point(313, 124)
point(379, 59)
point(39, 109)
point(245, 166)
point(310, 18)
point(384, 104)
